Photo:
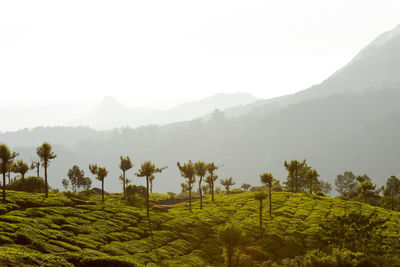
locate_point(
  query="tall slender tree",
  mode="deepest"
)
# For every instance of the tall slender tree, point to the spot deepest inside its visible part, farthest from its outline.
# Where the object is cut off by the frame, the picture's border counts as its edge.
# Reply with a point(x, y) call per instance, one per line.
point(260, 196)
point(188, 172)
point(212, 177)
point(35, 164)
point(227, 183)
point(151, 180)
point(267, 178)
point(101, 173)
point(312, 179)
point(392, 190)
point(45, 154)
point(200, 168)
point(6, 159)
point(296, 170)
point(125, 165)
point(21, 167)
point(148, 169)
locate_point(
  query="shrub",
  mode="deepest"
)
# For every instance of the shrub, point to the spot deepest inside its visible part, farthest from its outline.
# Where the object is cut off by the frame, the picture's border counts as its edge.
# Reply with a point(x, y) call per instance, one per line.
point(30, 184)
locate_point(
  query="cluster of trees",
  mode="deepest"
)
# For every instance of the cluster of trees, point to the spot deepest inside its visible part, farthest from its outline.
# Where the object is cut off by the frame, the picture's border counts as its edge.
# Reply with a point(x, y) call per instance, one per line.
point(8, 164)
point(304, 178)
point(76, 177)
point(361, 188)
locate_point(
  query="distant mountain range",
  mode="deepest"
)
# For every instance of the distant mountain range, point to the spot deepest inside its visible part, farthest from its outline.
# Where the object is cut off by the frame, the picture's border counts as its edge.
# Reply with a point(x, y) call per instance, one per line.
point(111, 114)
point(351, 121)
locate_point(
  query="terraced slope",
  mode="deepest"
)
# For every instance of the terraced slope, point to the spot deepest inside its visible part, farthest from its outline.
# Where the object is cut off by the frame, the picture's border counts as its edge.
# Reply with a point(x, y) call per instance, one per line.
point(66, 232)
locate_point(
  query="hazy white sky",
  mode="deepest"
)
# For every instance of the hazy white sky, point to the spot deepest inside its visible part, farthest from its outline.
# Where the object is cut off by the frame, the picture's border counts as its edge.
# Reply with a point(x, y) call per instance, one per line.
point(165, 52)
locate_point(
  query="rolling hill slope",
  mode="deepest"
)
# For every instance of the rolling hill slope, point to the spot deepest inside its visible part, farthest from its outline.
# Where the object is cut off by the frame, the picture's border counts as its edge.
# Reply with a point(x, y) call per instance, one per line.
point(71, 232)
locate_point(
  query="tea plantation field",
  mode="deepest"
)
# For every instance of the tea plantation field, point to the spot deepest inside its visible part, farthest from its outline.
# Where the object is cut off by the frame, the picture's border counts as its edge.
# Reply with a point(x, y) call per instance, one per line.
point(59, 231)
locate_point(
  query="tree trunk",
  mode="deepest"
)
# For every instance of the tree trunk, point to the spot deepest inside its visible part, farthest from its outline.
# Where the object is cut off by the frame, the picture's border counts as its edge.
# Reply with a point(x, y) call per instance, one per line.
point(190, 197)
point(102, 190)
point(147, 198)
point(45, 180)
point(260, 213)
point(23, 178)
point(4, 187)
point(229, 254)
point(310, 186)
point(151, 186)
point(123, 182)
point(292, 183)
point(201, 193)
point(212, 191)
point(38, 170)
point(270, 200)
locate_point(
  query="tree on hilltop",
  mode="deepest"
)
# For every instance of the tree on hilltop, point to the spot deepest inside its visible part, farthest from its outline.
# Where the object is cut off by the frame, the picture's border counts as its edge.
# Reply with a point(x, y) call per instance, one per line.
point(100, 174)
point(188, 172)
point(227, 183)
point(148, 169)
point(21, 167)
point(76, 179)
point(125, 165)
point(200, 169)
point(6, 160)
point(45, 154)
point(212, 177)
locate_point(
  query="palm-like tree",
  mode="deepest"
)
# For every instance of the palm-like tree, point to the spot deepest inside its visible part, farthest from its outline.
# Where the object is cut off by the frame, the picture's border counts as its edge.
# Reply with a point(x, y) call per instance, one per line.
point(268, 178)
point(6, 159)
point(21, 167)
point(101, 173)
point(35, 164)
point(210, 180)
point(231, 237)
point(188, 172)
point(148, 169)
point(45, 154)
point(212, 177)
point(260, 196)
point(151, 179)
point(227, 183)
point(125, 165)
point(200, 168)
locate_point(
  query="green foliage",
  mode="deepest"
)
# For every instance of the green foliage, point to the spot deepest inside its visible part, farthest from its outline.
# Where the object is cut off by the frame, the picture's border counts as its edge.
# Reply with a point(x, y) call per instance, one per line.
point(45, 154)
point(6, 164)
point(246, 186)
point(90, 231)
point(356, 232)
point(230, 237)
point(76, 179)
point(20, 167)
point(136, 195)
point(31, 184)
point(227, 183)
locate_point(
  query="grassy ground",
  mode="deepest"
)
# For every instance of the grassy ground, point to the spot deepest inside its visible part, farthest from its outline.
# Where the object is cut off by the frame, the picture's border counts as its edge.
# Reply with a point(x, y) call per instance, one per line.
point(70, 232)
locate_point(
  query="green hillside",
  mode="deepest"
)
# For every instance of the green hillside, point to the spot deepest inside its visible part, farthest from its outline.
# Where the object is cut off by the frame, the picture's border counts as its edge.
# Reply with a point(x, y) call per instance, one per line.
point(70, 232)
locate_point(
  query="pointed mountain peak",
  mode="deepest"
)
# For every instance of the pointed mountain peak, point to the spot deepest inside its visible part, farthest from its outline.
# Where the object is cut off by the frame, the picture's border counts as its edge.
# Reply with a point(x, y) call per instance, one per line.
point(108, 101)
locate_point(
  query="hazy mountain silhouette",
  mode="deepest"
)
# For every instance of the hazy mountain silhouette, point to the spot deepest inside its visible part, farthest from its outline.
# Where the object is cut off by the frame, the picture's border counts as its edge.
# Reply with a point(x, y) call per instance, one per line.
point(111, 114)
point(351, 121)
point(375, 67)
